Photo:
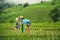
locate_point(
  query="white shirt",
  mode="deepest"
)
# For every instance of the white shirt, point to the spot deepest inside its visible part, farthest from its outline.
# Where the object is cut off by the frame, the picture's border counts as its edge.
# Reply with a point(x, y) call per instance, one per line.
point(17, 19)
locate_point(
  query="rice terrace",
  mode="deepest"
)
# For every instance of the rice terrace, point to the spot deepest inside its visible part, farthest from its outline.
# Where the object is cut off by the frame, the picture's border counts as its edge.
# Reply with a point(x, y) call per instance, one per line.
point(30, 21)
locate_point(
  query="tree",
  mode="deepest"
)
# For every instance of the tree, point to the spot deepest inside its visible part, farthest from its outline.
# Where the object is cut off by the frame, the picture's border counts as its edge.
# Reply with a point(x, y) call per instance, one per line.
point(55, 14)
point(41, 1)
point(53, 2)
point(1, 6)
point(25, 5)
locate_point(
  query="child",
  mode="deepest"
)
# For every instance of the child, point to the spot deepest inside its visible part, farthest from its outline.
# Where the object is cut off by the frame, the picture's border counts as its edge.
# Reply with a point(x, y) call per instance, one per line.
point(25, 21)
point(17, 24)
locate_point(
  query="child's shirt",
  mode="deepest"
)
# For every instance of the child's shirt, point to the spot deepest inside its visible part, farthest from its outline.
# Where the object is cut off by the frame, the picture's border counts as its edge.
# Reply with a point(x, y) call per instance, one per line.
point(18, 20)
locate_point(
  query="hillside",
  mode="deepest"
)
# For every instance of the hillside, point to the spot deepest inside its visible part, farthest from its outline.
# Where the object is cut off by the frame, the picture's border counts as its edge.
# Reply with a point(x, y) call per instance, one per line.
point(35, 12)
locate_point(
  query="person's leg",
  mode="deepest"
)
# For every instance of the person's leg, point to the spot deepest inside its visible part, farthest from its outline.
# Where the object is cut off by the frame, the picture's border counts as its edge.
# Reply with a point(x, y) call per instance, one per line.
point(28, 27)
point(17, 25)
point(16, 28)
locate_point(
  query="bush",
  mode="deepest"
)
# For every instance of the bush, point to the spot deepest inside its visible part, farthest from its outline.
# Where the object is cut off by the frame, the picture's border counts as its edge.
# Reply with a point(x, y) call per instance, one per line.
point(53, 3)
point(55, 14)
point(20, 4)
point(41, 1)
point(11, 21)
point(25, 5)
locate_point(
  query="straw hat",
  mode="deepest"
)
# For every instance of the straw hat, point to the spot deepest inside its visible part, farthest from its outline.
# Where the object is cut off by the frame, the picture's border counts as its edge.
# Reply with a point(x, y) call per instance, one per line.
point(21, 17)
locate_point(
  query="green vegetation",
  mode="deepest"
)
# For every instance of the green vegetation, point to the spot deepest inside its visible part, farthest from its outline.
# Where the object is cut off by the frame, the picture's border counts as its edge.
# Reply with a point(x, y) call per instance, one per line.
point(39, 31)
point(37, 13)
point(43, 25)
point(55, 14)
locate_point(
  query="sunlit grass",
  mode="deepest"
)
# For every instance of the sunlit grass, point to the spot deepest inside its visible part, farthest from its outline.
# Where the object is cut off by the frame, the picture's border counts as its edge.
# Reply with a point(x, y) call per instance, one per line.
point(38, 31)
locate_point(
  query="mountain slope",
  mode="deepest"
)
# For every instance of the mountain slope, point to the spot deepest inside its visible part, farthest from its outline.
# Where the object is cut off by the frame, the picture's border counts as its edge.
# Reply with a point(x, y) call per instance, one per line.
point(37, 13)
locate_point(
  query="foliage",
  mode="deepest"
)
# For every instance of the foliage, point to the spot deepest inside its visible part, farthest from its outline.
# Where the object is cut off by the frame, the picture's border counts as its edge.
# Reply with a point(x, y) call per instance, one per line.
point(46, 31)
point(25, 5)
point(4, 5)
point(37, 13)
point(1, 6)
point(55, 14)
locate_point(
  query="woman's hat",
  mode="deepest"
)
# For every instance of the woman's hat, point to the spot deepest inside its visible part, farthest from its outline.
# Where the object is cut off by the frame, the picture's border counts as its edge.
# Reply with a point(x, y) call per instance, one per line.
point(21, 17)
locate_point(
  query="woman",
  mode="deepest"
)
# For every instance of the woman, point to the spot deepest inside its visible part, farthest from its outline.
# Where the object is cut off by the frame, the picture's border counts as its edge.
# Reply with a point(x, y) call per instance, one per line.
point(25, 21)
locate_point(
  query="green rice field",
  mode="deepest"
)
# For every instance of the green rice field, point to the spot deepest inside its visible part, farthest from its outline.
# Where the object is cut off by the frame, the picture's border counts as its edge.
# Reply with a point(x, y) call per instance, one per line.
point(38, 31)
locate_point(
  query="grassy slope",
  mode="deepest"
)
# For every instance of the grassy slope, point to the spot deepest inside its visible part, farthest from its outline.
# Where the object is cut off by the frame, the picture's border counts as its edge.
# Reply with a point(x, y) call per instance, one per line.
point(36, 13)
point(37, 29)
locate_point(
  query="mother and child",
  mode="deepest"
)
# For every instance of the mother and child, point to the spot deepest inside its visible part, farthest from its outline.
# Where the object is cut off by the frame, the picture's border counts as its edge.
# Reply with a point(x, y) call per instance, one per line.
point(21, 21)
